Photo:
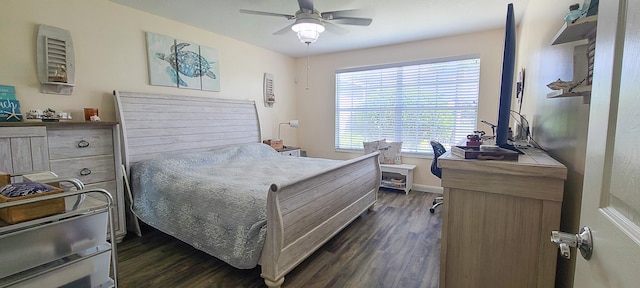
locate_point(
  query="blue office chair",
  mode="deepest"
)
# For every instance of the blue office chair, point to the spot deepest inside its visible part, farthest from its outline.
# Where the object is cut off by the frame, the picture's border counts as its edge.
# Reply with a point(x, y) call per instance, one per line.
point(438, 150)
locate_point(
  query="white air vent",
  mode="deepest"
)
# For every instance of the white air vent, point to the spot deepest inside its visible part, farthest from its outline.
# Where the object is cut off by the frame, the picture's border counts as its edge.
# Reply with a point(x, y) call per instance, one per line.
point(55, 59)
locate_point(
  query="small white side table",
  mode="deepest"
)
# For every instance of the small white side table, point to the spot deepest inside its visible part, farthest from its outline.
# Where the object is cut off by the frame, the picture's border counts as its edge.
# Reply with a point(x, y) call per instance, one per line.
point(399, 177)
point(289, 151)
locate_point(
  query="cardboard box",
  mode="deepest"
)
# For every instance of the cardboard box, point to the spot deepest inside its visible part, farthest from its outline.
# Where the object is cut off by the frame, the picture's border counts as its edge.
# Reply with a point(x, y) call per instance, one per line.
point(30, 211)
point(274, 143)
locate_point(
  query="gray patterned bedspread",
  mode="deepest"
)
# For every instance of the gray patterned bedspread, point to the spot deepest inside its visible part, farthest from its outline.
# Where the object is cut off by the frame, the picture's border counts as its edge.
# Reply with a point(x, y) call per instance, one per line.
point(216, 201)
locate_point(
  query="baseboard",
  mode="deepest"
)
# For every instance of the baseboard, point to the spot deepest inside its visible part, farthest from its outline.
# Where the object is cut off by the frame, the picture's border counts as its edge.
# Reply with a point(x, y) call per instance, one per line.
point(427, 188)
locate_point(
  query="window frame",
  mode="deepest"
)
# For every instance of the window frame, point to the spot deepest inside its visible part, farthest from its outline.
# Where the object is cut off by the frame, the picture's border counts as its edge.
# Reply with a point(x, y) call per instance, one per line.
point(404, 64)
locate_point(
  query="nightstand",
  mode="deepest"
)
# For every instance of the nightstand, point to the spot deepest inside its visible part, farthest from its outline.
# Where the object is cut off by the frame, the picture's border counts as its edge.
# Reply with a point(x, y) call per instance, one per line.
point(289, 151)
point(399, 177)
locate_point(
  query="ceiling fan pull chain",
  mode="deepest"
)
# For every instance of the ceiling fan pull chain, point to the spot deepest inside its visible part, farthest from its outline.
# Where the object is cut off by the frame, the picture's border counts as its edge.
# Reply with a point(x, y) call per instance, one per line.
point(308, 67)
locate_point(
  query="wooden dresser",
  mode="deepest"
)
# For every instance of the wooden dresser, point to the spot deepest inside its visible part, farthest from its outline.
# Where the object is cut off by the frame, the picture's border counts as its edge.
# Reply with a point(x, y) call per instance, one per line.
point(497, 220)
point(89, 151)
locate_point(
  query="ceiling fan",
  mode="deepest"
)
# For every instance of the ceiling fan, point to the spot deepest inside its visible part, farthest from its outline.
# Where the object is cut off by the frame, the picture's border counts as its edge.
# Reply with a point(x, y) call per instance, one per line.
point(309, 23)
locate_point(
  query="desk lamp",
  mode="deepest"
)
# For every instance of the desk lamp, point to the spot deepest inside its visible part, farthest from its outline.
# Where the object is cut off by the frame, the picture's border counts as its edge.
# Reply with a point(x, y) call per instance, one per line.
point(292, 123)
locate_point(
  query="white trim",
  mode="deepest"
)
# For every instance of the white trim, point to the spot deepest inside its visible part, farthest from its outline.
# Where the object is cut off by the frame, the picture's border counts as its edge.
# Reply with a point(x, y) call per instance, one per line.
point(427, 188)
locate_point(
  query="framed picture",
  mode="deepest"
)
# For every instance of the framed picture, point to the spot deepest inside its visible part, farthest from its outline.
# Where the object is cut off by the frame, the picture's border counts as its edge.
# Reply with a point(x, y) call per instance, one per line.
point(182, 64)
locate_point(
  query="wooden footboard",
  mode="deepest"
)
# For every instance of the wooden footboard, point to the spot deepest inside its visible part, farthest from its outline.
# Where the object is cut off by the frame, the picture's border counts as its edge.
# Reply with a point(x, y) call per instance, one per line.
point(303, 215)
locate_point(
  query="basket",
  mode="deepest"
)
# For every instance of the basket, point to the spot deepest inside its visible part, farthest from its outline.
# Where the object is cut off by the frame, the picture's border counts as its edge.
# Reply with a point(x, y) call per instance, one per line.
point(25, 212)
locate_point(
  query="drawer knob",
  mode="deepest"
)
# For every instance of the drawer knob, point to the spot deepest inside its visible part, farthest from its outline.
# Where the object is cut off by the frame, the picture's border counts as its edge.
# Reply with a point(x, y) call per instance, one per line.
point(85, 171)
point(83, 144)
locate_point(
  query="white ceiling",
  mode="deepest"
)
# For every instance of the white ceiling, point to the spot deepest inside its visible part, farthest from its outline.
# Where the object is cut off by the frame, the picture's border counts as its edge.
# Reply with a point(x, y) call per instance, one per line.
point(394, 21)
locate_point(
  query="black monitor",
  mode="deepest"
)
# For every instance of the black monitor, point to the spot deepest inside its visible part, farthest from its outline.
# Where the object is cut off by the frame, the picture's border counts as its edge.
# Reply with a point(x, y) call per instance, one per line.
point(506, 87)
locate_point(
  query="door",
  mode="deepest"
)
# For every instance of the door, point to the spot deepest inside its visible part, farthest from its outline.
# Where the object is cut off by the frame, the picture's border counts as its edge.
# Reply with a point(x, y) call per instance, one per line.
point(611, 194)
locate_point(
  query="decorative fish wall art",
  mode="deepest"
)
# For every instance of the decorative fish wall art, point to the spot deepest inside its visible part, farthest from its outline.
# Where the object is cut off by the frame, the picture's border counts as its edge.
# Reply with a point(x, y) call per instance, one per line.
point(182, 64)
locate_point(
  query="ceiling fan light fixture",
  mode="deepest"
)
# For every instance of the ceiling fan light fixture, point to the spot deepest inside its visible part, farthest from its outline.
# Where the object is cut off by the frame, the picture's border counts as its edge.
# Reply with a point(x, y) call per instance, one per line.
point(308, 32)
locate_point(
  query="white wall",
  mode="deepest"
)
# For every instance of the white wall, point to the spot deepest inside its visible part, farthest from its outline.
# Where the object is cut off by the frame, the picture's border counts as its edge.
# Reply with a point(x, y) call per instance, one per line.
point(110, 54)
point(559, 125)
point(316, 106)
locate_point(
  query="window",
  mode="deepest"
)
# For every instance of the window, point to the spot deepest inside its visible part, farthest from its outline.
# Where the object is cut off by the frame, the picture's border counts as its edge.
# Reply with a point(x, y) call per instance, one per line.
point(409, 102)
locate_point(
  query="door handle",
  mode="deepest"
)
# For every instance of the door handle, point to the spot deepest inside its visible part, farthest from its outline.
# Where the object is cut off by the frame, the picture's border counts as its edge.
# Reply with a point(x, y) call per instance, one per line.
point(583, 241)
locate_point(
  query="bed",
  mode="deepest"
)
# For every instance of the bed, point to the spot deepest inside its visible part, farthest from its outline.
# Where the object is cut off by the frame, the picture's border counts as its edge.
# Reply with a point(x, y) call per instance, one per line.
point(180, 150)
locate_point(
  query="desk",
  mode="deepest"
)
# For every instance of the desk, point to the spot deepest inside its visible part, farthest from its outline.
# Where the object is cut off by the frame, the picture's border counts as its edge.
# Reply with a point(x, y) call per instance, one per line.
point(497, 218)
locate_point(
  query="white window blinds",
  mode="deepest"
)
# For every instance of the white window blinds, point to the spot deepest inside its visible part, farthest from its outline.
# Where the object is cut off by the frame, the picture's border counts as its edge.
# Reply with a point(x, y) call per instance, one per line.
point(409, 102)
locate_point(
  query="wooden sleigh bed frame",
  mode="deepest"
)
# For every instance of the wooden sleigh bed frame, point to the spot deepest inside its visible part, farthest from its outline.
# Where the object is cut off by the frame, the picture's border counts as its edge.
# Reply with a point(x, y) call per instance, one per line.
point(301, 215)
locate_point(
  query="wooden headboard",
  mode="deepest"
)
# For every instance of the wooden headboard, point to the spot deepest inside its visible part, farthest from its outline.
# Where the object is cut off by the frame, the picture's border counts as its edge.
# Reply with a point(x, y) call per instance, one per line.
point(156, 124)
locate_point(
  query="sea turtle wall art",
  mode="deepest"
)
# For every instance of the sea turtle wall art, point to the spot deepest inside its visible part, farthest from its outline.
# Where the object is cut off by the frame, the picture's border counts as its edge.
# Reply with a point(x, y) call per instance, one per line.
point(182, 64)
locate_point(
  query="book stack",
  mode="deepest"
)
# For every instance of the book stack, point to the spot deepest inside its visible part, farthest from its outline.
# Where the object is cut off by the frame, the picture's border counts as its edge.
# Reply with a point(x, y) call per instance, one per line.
point(9, 106)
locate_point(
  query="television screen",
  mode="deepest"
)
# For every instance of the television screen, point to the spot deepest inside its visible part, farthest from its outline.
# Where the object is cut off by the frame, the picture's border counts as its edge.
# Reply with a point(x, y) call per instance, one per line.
point(506, 86)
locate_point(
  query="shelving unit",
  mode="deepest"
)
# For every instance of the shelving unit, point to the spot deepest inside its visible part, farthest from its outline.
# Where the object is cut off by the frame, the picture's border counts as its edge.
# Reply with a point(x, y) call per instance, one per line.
point(399, 177)
point(62, 250)
point(581, 29)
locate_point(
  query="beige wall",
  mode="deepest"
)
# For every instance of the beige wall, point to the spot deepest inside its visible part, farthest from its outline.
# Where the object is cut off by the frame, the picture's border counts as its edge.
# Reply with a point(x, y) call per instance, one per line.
point(316, 106)
point(559, 124)
point(110, 54)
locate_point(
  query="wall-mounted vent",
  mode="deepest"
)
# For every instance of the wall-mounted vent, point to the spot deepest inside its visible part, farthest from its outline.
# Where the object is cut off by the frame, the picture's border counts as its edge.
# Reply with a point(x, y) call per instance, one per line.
point(55, 59)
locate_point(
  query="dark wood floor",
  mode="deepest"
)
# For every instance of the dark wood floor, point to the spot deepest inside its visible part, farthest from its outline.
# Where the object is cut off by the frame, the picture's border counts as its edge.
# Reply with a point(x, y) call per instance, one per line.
point(397, 245)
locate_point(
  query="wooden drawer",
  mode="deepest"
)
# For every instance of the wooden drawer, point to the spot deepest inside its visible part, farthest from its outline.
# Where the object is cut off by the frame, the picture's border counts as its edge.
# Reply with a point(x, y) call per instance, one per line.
point(89, 170)
point(294, 153)
point(79, 142)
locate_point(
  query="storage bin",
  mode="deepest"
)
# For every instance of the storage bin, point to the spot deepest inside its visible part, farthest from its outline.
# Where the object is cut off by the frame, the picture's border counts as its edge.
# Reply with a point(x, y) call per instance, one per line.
point(89, 272)
point(27, 248)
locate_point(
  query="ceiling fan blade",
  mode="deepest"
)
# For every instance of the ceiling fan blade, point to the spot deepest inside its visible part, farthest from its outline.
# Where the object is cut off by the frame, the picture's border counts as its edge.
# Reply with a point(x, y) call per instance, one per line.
point(306, 5)
point(353, 21)
point(283, 30)
point(289, 17)
point(330, 15)
point(333, 28)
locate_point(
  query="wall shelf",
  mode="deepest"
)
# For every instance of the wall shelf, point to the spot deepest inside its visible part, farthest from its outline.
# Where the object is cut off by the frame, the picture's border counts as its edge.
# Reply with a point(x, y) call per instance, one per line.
point(583, 55)
point(578, 30)
point(55, 59)
point(584, 91)
point(56, 88)
point(59, 84)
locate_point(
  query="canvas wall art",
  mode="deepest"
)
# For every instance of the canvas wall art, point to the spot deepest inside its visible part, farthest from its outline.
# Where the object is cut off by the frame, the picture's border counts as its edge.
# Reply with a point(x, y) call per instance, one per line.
point(210, 79)
point(160, 58)
point(188, 64)
point(182, 64)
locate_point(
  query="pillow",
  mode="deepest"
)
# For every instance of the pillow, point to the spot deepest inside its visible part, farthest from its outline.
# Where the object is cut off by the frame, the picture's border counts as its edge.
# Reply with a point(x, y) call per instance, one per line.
point(370, 147)
point(390, 154)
